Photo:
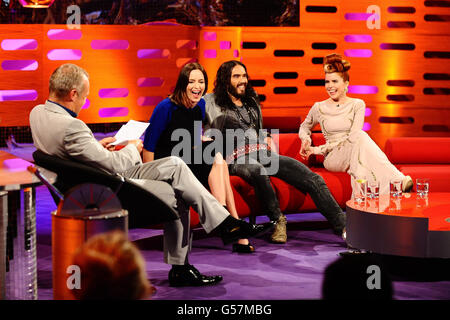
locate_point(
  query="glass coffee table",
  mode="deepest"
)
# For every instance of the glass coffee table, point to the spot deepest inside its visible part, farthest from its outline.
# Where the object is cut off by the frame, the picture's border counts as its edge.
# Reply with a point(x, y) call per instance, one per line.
point(410, 226)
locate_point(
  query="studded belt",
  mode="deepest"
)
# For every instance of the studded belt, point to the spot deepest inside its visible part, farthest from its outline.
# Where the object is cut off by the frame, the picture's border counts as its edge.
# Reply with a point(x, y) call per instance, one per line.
point(246, 149)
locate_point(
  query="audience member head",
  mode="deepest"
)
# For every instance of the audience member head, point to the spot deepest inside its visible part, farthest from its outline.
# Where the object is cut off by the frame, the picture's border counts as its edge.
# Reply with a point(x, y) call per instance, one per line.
point(191, 85)
point(357, 276)
point(232, 81)
point(336, 76)
point(69, 86)
point(111, 267)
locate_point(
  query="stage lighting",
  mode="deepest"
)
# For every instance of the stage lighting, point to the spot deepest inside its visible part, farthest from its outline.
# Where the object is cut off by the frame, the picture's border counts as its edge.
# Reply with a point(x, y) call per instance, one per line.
point(36, 3)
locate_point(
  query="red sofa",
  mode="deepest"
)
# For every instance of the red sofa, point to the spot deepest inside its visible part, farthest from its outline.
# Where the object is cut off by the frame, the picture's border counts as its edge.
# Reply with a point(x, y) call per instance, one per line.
point(418, 157)
point(422, 157)
point(291, 200)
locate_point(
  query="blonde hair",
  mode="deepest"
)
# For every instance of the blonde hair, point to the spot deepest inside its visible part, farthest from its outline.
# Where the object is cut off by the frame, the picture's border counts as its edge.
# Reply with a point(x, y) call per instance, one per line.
point(111, 268)
point(335, 63)
point(65, 78)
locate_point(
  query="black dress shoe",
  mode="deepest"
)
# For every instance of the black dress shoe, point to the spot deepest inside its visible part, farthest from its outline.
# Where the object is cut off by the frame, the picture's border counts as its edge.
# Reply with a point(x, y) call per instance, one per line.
point(189, 276)
point(243, 248)
point(234, 229)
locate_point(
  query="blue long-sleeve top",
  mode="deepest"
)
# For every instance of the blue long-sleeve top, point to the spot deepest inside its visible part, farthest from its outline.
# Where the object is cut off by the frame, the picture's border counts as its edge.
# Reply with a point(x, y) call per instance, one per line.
point(167, 117)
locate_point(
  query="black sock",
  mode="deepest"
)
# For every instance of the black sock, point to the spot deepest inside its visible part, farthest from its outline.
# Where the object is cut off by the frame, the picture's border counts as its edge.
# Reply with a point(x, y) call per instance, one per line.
point(179, 267)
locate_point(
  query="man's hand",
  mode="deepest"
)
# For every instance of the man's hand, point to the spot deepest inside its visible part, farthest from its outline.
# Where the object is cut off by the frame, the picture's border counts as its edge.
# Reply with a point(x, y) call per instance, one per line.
point(305, 150)
point(138, 143)
point(106, 143)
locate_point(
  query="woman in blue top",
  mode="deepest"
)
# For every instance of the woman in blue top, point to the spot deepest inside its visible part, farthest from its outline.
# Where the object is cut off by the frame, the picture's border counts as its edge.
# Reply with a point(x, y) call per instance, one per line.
point(176, 129)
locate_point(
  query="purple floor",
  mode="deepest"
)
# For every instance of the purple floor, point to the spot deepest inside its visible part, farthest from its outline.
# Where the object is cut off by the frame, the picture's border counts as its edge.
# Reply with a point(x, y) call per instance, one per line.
point(274, 272)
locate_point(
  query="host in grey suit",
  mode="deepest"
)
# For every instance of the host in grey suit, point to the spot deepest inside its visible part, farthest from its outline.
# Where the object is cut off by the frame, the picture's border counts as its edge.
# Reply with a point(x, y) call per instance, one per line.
point(57, 131)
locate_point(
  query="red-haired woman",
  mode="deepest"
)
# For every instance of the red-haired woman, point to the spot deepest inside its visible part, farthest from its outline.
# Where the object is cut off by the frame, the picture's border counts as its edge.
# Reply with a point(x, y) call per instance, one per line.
point(348, 148)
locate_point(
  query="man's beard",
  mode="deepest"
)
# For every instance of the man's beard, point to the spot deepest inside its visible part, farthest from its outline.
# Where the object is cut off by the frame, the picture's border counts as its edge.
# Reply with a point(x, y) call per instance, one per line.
point(233, 91)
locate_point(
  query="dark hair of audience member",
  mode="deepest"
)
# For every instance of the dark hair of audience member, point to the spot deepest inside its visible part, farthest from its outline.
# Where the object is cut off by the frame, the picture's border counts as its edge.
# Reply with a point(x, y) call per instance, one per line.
point(347, 279)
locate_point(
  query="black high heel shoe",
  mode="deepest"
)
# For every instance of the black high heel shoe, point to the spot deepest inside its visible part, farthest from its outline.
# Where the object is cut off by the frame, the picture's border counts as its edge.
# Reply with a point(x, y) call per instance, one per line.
point(243, 248)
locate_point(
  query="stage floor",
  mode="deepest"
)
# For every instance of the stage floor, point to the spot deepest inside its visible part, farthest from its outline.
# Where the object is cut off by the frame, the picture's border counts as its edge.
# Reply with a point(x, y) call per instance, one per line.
point(274, 272)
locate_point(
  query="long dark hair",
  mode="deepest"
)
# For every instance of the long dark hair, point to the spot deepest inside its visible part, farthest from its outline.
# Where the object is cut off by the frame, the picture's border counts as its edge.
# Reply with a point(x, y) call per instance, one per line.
point(179, 96)
point(223, 83)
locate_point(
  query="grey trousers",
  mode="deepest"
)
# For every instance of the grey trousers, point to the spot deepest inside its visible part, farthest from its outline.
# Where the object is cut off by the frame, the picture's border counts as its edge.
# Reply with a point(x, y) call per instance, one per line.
point(174, 183)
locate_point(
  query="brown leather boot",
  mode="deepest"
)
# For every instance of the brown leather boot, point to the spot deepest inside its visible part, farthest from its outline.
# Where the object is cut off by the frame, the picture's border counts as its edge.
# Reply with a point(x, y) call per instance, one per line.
point(279, 234)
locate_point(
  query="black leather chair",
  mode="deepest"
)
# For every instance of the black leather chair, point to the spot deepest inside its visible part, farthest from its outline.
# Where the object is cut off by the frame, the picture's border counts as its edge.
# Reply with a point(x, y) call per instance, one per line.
point(144, 208)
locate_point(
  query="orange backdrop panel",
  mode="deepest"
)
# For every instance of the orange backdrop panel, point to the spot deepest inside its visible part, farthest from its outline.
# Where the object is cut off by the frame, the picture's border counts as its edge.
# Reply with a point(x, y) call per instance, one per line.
point(405, 87)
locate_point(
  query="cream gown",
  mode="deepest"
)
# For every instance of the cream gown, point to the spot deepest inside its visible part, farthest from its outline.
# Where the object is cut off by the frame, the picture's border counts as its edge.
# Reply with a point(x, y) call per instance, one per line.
point(348, 148)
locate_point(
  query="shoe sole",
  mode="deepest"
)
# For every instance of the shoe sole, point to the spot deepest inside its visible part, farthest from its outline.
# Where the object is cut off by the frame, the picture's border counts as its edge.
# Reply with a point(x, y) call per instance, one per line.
point(186, 284)
point(278, 241)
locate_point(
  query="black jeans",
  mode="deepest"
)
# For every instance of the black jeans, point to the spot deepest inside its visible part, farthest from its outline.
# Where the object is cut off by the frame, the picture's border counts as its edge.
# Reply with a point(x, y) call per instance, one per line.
point(294, 173)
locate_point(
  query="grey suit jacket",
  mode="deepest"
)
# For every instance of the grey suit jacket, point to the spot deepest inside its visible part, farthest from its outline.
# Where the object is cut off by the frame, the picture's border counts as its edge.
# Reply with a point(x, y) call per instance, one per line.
point(57, 133)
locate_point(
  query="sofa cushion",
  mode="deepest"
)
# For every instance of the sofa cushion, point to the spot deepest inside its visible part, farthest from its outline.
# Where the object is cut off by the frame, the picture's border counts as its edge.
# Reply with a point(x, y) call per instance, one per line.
point(293, 200)
point(289, 145)
point(420, 150)
point(439, 175)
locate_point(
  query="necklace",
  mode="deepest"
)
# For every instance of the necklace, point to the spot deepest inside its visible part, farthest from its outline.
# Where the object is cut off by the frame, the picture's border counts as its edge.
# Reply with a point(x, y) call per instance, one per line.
point(340, 104)
point(251, 121)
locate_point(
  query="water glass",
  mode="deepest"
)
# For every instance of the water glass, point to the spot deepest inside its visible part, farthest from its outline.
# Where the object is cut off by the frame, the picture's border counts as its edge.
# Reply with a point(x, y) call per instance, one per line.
point(422, 187)
point(360, 190)
point(395, 187)
point(373, 189)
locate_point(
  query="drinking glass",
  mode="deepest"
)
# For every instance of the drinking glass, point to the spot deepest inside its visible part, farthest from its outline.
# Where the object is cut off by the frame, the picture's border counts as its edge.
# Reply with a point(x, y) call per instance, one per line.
point(422, 187)
point(373, 189)
point(395, 186)
point(360, 190)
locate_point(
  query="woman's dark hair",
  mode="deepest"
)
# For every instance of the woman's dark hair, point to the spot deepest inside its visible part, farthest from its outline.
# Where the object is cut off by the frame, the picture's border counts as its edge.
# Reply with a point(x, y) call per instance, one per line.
point(223, 83)
point(179, 95)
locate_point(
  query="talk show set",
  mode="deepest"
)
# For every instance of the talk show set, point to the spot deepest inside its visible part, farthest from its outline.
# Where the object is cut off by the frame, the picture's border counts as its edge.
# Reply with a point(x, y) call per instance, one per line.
point(235, 159)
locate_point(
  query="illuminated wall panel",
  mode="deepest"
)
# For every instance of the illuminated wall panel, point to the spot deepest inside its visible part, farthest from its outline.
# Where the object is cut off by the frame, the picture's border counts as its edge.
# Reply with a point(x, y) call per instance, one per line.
point(399, 69)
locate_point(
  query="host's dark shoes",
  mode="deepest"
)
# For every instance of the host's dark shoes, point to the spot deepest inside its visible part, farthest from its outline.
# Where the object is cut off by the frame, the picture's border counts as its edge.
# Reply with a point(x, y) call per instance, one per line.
point(188, 276)
point(232, 229)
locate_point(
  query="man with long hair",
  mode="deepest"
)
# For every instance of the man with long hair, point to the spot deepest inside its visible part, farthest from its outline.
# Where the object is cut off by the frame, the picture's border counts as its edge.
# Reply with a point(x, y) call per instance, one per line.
point(234, 106)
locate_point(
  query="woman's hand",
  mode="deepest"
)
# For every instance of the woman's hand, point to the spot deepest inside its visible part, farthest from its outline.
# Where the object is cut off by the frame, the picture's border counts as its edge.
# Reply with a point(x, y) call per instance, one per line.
point(138, 143)
point(305, 150)
point(147, 156)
